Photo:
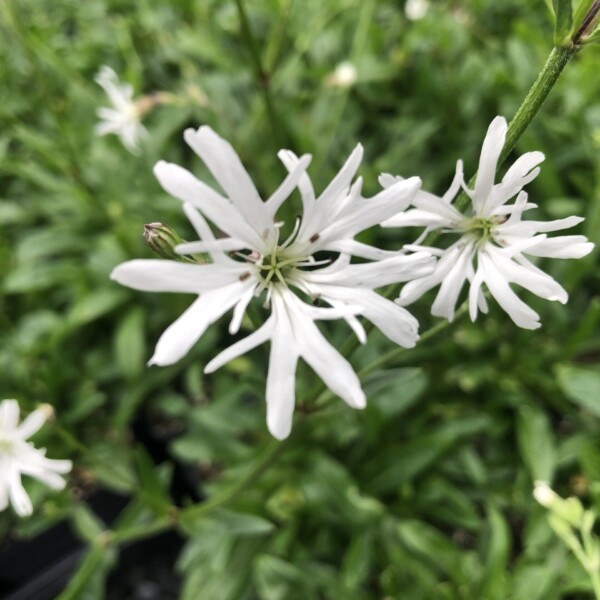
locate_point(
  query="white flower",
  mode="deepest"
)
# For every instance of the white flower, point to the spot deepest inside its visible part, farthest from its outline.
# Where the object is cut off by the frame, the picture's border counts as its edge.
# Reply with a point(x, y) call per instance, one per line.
point(344, 76)
point(19, 457)
point(415, 10)
point(123, 119)
point(494, 238)
point(544, 494)
point(283, 272)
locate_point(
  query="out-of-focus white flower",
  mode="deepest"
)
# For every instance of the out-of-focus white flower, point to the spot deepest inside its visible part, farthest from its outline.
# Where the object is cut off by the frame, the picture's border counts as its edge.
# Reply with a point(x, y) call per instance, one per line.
point(284, 273)
point(415, 10)
point(494, 238)
point(544, 494)
point(123, 119)
point(19, 457)
point(344, 76)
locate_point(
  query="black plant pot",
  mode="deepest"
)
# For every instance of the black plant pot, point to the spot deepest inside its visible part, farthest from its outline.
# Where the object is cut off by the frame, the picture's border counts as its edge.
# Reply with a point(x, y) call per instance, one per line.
point(40, 569)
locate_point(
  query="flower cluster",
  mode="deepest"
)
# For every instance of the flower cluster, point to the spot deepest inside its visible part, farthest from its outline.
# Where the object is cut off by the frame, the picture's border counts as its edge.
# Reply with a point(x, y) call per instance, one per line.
point(249, 258)
point(311, 265)
point(19, 457)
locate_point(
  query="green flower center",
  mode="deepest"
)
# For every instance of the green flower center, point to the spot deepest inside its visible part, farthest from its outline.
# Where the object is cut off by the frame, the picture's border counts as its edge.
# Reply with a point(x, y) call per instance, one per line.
point(275, 267)
point(481, 228)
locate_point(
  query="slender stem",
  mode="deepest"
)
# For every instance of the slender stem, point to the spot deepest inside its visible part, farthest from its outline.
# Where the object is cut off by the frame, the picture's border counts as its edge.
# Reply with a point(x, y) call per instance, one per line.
point(595, 577)
point(269, 456)
point(326, 396)
point(144, 530)
point(263, 78)
point(555, 63)
point(588, 22)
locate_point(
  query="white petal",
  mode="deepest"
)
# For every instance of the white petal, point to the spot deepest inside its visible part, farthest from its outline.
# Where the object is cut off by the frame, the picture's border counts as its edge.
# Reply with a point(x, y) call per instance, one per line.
point(288, 184)
point(488, 162)
point(446, 299)
point(538, 283)
point(225, 165)
point(456, 184)
point(475, 294)
point(341, 182)
point(354, 248)
point(46, 476)
point(335, 371)
point(401, 267)
point(181, 335)
point(516, 309)
point(414, 289)
point(18, 496)
point(395, 322)
point(32, 423)
point(239, 311)
point(360, 213)
point(258, 337)
point(556, 224)
point(523, 171)
point(564, 246)
point(386, 180)
point(281, 381)
point(307, 192)
point(155, 275)
point(437, 206)
point(9, 415)
point(181, 184)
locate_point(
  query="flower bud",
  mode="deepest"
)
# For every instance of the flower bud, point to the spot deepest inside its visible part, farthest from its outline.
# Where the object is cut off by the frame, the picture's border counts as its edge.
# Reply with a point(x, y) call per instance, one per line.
point(162, 240)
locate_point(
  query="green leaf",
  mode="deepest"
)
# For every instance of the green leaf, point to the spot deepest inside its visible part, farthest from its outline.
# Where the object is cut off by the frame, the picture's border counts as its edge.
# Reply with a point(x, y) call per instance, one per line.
point(88, 581)
point(393, 391)
point(130, 344)
point(277, 579)
point(581, 386)
point(95, 305)
point(87, 523)
point(227, 521)
point(154, 491)
point(35, 277)
point(497, 555)
point(536, 442)
point(563, 11)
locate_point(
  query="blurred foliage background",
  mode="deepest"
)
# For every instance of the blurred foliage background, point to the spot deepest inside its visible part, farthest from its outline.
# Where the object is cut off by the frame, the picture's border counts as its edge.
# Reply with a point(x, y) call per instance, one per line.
point(427, 493)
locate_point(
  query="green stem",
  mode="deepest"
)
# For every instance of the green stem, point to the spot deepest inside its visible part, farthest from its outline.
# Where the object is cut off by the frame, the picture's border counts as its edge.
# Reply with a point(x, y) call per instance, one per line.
point(595, 577)
point(143, 531)
point(263, 78)
point(269, 456)
point(555, 63)
point(326, 396)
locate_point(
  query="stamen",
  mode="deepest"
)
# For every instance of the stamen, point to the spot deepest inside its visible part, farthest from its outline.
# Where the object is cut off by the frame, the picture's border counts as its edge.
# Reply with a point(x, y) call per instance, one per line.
point(294, 232)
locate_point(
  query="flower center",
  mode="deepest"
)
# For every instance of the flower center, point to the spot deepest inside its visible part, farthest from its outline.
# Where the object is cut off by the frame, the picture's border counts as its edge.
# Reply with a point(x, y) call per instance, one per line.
point(275, 267)
point(6, 445)
point(482, 228)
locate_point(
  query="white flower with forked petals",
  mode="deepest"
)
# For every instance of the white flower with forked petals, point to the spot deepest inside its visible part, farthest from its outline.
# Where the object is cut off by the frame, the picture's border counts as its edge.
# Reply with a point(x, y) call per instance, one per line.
point(19, 457)
point(123, 119)
point(282, 273)
point(494, 238)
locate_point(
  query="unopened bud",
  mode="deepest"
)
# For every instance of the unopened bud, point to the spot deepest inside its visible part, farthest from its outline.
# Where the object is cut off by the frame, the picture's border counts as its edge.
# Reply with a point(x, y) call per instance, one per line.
point(162, 240)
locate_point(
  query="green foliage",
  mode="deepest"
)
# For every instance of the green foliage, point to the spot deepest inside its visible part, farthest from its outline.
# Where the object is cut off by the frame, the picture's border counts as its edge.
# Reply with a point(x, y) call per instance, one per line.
point(427, 492)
